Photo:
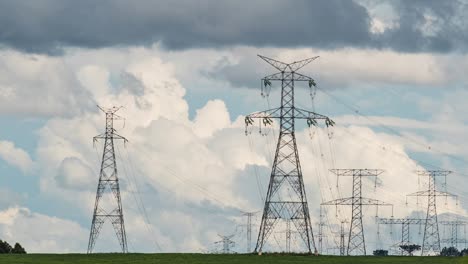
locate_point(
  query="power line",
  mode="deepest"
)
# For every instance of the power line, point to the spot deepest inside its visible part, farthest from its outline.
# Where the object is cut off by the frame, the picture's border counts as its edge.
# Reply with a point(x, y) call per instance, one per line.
point(356, 111)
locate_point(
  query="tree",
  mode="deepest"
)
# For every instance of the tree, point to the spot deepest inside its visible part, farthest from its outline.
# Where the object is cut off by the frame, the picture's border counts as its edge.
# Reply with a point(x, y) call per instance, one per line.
point(18, 249)
point(410, 248)
point(450, 252)
point(5, 248)
point(464, 252)
point(381, 252)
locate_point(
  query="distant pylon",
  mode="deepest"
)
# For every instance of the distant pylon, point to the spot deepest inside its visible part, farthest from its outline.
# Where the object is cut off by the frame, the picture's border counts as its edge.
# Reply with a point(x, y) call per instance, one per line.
point(249, 216)
point(227, 243)
point(108, 183)
point(356, 242)
point(342, 239)
point(431, 238)
point(405, 229)
point(286, 197)
point(320, 232)
point(453, 240)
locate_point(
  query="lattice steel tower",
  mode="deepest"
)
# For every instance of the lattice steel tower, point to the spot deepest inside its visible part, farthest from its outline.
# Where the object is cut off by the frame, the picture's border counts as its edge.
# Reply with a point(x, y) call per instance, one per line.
point(356, 242)
point(405, 228)
point(249, 216)
point(286, 196)
point(453, 240)
point(342, 239)
point(227, 244)
point(108, 184)
point(431, 238)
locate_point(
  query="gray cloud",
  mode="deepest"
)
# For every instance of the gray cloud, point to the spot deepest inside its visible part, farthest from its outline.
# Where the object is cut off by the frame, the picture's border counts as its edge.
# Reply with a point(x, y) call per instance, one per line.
point(431, 25)
point(49, 25)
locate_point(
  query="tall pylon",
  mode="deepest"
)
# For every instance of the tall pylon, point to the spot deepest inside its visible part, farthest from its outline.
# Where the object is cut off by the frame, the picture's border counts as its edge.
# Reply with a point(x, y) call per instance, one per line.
point(431, 238)
point(356, 241)
point(108, 184)
point(286, 197)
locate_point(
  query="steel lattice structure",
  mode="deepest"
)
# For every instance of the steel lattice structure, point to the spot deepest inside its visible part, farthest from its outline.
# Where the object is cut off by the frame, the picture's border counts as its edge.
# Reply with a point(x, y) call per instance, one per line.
point(227, 243)
point(405, 228)
point(286, 174)
point(249, 216)
point(341, 245)
point(321, 224)
point(431, 238)
point(356, 241)
point(453, 240)
point(108, 184)
point(342, 238)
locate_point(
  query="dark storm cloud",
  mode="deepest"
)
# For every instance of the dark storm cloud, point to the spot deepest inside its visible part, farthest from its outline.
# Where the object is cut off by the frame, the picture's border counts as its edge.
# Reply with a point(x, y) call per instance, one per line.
point(49, 25)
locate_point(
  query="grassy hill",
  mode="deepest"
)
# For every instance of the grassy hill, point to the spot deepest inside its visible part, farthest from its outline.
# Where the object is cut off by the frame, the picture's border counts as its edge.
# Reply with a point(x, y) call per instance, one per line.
point(208, 259)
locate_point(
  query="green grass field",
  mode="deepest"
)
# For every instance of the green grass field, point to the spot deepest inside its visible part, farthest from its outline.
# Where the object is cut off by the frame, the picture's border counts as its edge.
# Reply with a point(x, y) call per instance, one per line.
point(207, 259)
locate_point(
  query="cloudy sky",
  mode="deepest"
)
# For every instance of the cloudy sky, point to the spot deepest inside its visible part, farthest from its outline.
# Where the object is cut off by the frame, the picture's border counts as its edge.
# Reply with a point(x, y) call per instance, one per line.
point(392, 74)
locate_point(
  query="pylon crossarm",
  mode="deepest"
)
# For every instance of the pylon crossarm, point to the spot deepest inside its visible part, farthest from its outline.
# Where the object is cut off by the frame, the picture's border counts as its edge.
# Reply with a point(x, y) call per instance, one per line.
point(302, 78)
point(312, 117)
point(265, 118)
point(281, 66)
point(299, 64)
point(390, 221)
point(114, 136)
point(411, 221)
point(117, 136)
point(272, 77)
point(266, 82)
point(101, 136)
point(357, 172)
point(420, 193)
point(434, 193)
point(453, 222)
point(434, 173)
point(279, 76)
point(342, 201)
point(370, 201)
point(364, 201)
point(446, 194)
point(270, 113)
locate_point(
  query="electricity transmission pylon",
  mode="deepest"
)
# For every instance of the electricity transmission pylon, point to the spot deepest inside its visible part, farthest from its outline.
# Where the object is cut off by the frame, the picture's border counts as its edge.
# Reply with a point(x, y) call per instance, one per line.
point(108, 184)
point(431, 238)
point(227, 243)
point(405, 228)
point(341, 245)
point(286, 196)
point(321, 224)
point(356, 242)
point(249, 216)
point(342, 238)
point(453, 240)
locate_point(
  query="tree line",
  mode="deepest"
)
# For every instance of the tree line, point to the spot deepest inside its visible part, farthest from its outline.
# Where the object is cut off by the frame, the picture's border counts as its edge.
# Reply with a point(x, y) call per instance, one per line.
point(6, 248)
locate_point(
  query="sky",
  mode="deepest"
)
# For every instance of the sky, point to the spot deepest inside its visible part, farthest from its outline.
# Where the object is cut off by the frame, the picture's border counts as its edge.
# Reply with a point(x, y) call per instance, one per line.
point(391, 74)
